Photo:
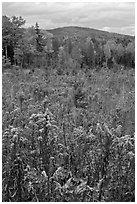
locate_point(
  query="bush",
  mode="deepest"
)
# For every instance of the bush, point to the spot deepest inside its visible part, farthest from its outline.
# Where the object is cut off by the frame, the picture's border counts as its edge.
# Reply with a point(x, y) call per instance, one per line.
point(6, 64)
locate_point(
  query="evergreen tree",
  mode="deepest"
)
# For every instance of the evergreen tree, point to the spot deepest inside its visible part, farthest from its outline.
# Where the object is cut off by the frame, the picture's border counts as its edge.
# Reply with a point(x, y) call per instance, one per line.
point(39, 44)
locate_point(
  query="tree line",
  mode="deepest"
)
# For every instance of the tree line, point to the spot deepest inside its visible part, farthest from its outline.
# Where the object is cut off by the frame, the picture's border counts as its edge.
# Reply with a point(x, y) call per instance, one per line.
point(31, 47)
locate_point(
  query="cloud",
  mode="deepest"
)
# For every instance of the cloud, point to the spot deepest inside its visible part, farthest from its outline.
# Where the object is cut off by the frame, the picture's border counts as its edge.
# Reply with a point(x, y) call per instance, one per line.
point(106, 29)
point(122, 30)
point(97, 15)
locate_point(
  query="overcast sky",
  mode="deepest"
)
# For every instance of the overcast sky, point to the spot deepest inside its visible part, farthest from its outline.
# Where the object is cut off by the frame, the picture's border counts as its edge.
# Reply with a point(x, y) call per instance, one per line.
point(113, 17)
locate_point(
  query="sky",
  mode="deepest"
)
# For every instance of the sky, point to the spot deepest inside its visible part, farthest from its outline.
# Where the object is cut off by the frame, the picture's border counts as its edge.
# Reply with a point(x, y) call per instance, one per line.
point(118, 17)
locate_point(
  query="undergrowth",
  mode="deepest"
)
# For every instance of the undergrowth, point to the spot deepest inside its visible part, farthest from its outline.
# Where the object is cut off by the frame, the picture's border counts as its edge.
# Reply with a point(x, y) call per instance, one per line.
point(68, 137)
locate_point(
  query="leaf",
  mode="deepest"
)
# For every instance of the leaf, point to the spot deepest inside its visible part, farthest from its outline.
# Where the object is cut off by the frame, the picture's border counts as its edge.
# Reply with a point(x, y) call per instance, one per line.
point(108, 130)
point(45, 175)
point(41, 120)
point(81, 188)
point(61, 173)
point(58, 187)
point(67, 184)
point(131, 154)
point(99, 186)
point(41, 130)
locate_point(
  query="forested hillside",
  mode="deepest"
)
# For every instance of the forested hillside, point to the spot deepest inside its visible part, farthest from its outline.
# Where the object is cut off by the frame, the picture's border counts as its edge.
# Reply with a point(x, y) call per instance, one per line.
point(81, 47)
point(83, 32)
point(68, 114)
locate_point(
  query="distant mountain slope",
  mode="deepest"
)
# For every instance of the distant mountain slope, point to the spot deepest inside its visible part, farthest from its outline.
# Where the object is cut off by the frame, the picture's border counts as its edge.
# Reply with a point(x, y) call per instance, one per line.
point(83, 32)
point(46, 33)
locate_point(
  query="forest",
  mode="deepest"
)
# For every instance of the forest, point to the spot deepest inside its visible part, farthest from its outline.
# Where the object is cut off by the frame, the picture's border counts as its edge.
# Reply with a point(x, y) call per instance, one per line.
point(68, 114)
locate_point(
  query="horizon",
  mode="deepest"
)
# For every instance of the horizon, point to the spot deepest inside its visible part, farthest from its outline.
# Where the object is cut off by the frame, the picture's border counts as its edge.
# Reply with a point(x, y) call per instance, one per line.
point(104, 16)
point(87, 28)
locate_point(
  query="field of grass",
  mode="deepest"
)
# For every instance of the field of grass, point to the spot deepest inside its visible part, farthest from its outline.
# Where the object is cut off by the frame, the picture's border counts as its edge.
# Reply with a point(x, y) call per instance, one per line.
point(89, 117)
point(105, 94)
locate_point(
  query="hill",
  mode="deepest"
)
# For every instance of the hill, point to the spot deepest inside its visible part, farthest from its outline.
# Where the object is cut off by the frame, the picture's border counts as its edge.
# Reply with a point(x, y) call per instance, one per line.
point(83, 32)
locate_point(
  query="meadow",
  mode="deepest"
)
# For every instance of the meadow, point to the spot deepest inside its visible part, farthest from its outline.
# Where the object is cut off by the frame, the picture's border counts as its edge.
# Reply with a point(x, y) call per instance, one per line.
point(68, 137)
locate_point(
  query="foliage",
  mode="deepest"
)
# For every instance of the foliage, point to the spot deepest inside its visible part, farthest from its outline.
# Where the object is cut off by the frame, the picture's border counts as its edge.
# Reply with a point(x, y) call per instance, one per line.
point(68, 138)
point(130, 51)
point(11, 33)
point(68, 124)
point(39, 47)
point(107, 53)
point(89, 50)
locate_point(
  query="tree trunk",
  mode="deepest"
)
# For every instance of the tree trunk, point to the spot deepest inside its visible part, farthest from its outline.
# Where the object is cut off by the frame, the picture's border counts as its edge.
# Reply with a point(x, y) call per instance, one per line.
point(106, 62)
point(21, 65)
point(6, 53)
